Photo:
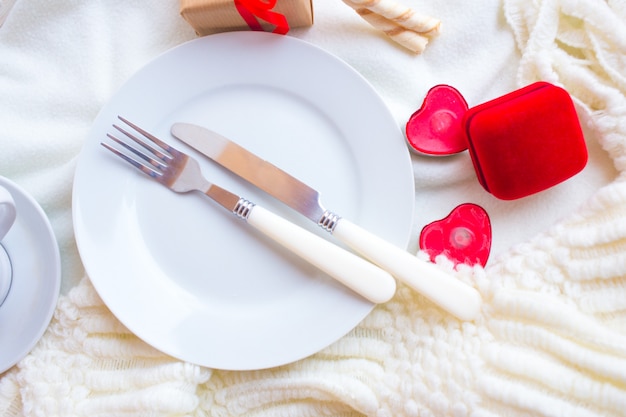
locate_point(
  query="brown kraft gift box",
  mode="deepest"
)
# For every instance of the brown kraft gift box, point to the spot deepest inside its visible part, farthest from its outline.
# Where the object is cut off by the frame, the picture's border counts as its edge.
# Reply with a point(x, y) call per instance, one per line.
point(213, 16)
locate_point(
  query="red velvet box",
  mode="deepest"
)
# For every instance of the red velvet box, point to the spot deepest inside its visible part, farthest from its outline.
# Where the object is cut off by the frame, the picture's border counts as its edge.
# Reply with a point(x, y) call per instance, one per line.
point(525, 141)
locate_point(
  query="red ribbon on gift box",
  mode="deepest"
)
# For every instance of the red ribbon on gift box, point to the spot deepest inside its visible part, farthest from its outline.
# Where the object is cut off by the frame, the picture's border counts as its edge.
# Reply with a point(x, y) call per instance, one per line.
point(250, 10)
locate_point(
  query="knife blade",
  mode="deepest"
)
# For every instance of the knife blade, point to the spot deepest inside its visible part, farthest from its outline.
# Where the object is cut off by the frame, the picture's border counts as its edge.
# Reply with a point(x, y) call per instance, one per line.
point(452, 295)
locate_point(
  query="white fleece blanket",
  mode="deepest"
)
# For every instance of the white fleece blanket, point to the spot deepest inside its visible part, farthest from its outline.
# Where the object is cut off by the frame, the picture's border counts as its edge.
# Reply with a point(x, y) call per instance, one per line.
point(551, 339)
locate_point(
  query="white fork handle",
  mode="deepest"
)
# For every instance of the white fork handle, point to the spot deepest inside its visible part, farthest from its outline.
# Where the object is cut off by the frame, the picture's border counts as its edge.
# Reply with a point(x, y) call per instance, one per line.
point(447, 292)
point(354, 272)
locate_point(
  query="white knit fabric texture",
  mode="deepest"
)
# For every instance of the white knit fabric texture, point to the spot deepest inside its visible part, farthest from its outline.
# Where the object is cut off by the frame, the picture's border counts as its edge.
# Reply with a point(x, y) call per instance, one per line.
point(551, 340)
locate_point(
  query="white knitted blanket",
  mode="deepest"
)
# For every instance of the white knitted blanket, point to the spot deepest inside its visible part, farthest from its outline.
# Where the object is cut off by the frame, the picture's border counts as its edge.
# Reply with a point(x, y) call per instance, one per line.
point(551, 340)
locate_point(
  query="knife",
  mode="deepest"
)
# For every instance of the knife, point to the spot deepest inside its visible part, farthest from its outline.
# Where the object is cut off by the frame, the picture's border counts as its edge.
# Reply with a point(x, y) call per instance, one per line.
point(444, 290)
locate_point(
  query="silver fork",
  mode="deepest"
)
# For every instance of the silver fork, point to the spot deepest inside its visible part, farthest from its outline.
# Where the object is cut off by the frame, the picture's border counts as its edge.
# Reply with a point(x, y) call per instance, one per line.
point(181, 173)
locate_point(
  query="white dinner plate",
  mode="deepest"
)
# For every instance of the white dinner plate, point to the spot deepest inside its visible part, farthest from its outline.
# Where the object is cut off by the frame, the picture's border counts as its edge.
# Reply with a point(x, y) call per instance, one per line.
point(188, 277)
point(36, 282)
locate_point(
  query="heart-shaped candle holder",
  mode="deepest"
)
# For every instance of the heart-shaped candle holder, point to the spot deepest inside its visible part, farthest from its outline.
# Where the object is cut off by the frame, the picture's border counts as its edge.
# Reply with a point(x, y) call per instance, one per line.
point(464, 236)
point(436, 128)
point(521, 143)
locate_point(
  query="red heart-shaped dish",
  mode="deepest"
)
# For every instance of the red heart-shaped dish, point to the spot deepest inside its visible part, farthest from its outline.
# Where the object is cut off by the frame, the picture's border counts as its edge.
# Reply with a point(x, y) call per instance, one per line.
point(464, 236)
point(437, 127)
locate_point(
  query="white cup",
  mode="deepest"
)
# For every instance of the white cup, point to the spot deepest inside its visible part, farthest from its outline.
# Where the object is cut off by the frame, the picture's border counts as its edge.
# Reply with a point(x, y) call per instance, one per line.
point(8, 213)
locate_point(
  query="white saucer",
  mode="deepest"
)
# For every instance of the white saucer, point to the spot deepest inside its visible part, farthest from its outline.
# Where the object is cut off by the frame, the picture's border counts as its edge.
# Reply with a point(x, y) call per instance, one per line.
point(35, 260)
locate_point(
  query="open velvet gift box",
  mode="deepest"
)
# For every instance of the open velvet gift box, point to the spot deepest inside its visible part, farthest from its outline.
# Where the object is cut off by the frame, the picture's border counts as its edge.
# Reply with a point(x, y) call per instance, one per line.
point(520, 143)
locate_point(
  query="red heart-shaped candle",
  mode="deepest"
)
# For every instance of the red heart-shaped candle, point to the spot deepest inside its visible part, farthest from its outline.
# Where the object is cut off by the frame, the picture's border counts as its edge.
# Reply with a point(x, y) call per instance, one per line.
point(464, 236)
point(437, 128)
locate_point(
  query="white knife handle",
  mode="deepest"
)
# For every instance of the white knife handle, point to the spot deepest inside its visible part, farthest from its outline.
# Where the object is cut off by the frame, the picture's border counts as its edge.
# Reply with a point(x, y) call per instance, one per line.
point(452, 295)
point(354, 272)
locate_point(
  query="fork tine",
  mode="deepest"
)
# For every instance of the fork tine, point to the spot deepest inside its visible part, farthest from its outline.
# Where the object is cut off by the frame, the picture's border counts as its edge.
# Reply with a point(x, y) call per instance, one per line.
point(148, 171)
point(148, 135)
point(160, 154)
point(158, 164)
